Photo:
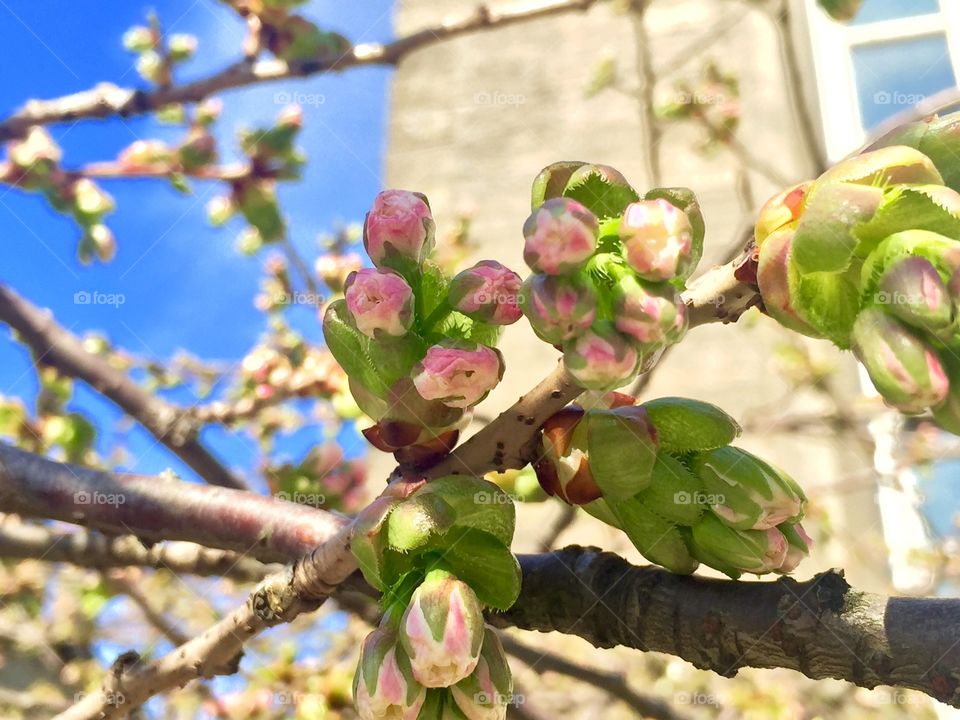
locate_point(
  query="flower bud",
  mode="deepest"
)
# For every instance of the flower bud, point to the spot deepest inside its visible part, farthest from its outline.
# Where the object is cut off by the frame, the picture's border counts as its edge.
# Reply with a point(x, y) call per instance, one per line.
point(334, 268)
point(399, 229)
point(748, 493)
point(560, 235)
point(657, 239)
point(89, 200)
point(379, 300)
point(456, 376)
point(732, 551)
point(558, 308)
point(384, 685)
point(486, 692)
point(622, 449)
point(146, 155)
point(798, 546)
point(220, 209)
point(563, 469)
point(780, 210)
point(139, 39)
point(103, 241)
point(600, 359)
point(773, 278)
point(442, 630)
point(904, 369)
point(488, 292)
point(38, 148)
point(912, 290)
point(650, 314)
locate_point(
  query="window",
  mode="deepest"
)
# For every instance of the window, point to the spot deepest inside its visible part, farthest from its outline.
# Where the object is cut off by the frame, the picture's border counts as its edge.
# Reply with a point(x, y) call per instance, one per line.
point(892, 56)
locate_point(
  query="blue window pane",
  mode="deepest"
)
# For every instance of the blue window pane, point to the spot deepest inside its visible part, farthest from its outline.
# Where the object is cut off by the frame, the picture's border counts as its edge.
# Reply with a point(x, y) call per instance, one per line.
point(899, 74)
point(875, 10)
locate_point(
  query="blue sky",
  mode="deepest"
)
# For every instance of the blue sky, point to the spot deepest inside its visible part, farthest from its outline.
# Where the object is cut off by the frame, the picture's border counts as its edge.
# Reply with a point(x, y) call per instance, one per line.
point(184, 283)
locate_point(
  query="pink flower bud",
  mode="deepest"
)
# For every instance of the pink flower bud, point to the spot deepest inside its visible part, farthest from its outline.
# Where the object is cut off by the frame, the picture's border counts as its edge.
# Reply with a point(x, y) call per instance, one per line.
point(456, 376)
point(798, 546)
point(560, 235)
point(600, 359)
point(399, 226)
point(486, 692)
point(563, 469)
point(379, 300)
point(384, 685)
point(650, 314)
point(488, 292)
point(657, 239)
point(558, 308)
point(442, 630)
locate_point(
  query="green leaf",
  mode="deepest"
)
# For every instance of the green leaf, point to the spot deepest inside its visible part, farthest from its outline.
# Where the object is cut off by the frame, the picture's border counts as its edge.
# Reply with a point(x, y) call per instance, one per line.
point(828, 301)
point(369, 546)
point(476, 504)
point(433, 287)
point(604, 196)
point(685, 425)
point(909, 207)
point(550, 182)
point(675, 494)
point(350, 348)
point(418, 520)
point(824, 241)
point(457, 325)
point(485, 564)
point(658, 540)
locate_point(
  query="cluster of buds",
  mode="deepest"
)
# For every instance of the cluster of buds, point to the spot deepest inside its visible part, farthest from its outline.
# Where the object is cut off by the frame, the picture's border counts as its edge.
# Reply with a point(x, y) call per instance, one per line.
point(272, 156)
point(196, 152)
point(288, 367)
point(157, 55)
point(664, 473)
point(608, 268)
point(432, 655)
point(882, 277)
point(418, 348)
point(271, 26)
point(322, 478)
point(33, 163)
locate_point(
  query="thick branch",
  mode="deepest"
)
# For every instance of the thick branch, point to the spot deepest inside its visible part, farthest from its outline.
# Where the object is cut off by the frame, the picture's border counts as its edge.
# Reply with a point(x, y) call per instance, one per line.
point(157, 508)
point(821, 628)
point(94, 550)
point(54, 346)
point(106, 99)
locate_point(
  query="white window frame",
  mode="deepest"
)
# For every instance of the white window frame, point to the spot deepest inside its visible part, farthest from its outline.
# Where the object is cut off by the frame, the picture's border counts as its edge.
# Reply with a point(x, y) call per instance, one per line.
point(832, 44)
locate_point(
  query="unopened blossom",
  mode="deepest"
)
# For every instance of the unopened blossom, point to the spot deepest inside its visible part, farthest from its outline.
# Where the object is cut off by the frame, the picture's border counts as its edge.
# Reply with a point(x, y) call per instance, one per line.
point(442, 630)
point(486, 692)
point(798, 546)
point(733, 551)
point(600, 359)
point(748, 493)
point(384, 685)
point(560, 236)
point(648, 313)
point(399, 227)
point(559, 308)
point(912, 290)
point(456, 376)
point(905, 370)
point(488, 291)
point(657, 239)
point(379, 300)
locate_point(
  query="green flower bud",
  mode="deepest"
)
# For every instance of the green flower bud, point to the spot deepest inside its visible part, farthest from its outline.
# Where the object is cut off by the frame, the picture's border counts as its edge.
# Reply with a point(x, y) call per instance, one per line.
point(621, 449)
point(485, 693)
point(903, 368)
point(733, 552)
point(674, 493)
point(139, 39)
point(685, 425)
point(658, 540)
point(911, 289)
point(747, 493)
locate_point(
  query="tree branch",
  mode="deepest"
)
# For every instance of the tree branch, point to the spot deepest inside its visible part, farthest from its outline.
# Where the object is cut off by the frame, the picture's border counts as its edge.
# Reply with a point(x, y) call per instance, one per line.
point(53, 345)
point(107, 99)
point(94, 550)
point(821, 627)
